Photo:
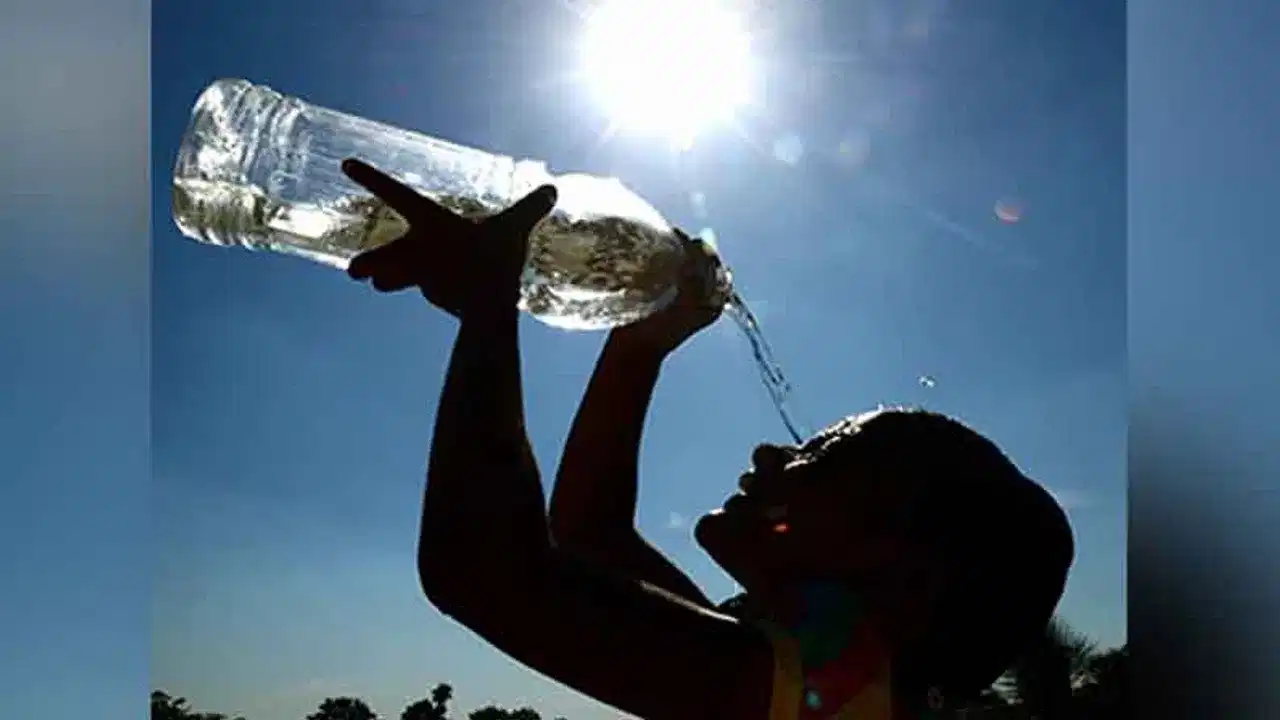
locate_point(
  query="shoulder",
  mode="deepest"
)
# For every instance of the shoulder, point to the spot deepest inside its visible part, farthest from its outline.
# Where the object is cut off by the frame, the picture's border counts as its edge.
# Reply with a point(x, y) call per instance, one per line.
point(734, 607)
point(616, 639)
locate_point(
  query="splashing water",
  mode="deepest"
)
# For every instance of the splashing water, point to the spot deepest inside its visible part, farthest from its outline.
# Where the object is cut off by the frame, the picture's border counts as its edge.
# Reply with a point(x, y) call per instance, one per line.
point(771, 375)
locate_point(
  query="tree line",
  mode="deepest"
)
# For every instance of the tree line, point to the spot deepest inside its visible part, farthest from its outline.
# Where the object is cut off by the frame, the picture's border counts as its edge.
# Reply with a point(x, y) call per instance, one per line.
point(165, 706)
point(1065, 676)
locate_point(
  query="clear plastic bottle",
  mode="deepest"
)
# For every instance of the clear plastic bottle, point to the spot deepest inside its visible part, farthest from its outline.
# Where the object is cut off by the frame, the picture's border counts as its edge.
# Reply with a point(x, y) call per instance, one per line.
point(261, 170)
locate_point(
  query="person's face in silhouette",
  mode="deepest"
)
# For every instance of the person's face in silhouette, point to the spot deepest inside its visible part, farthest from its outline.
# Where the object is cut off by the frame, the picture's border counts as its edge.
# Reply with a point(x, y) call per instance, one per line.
point(801, 515)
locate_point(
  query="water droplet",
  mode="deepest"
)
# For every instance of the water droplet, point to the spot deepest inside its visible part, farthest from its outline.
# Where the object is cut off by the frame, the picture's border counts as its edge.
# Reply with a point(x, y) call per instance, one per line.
point(699, 203)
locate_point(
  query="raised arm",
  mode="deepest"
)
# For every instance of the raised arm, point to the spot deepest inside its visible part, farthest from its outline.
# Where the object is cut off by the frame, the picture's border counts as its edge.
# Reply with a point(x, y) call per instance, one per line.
point(485, 559)
point(485, 556)
point(593, 504)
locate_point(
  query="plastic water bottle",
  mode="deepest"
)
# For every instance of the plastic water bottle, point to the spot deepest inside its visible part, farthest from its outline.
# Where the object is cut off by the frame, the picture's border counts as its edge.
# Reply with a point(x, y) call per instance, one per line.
point(261, 170)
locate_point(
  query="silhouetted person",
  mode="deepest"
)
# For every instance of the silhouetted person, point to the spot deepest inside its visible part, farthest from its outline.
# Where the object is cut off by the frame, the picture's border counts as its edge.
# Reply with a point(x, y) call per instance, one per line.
point(895, 563)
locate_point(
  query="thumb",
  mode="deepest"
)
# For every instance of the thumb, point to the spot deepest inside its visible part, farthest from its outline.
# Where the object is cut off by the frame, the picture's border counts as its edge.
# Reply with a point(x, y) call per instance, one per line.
point(527, 211)
point(393, 254)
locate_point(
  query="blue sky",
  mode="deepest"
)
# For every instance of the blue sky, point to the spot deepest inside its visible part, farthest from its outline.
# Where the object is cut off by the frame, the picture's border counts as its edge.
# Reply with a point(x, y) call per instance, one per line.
point(288, 455)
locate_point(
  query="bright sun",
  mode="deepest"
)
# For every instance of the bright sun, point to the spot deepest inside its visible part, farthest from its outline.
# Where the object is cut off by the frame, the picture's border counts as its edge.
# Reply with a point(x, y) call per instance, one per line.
point(667, 67)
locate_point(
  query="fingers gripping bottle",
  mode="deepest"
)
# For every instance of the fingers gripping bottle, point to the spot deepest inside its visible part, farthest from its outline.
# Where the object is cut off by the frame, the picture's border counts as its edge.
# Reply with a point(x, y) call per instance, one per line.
point(261, 170)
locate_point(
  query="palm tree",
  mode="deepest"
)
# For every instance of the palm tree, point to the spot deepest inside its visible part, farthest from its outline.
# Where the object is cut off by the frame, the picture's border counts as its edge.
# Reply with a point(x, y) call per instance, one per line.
point(1046, 677)
point(1106, 694)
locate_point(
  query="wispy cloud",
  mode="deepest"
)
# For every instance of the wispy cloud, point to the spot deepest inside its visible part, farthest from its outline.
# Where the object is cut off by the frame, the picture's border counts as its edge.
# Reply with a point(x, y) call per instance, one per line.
point(676, 521)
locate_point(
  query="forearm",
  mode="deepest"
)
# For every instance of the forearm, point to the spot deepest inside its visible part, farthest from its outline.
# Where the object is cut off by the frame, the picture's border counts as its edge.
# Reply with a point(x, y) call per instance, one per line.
point(483, 510)
point(593, 505)
point(596, 485)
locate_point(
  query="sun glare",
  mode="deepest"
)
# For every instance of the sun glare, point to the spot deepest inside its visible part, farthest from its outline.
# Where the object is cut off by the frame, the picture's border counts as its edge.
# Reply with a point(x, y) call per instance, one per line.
point(666, 67)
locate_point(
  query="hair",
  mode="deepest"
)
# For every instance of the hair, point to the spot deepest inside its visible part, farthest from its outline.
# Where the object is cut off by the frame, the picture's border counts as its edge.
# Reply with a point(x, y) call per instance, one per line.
point(1007, 541)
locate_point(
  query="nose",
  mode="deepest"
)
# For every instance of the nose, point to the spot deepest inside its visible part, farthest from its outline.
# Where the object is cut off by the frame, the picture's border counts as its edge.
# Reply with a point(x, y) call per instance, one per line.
point(769, 459)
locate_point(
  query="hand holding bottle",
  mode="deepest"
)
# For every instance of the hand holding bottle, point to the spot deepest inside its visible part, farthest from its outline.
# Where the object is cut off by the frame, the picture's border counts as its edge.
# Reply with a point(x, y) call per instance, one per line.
point(700, 302)
point(459, 265)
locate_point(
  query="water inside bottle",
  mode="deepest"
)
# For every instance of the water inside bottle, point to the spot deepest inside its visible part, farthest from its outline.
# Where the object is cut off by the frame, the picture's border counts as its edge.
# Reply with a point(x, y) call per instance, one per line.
point(583, 274)
point(224, 213)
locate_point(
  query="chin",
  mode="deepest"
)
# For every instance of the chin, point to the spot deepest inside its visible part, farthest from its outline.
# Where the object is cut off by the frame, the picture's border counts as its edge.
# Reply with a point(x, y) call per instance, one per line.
point(724, 541)
point(704, 530)
point(715, 535)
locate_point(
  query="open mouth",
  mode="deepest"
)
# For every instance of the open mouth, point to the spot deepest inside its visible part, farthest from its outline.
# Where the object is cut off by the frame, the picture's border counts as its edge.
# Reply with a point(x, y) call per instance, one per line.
point(776, 516)
point(772, 513)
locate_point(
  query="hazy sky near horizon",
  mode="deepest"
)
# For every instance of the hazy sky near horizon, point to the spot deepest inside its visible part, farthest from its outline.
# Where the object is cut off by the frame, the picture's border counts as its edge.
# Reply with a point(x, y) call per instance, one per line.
point(292, 408)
